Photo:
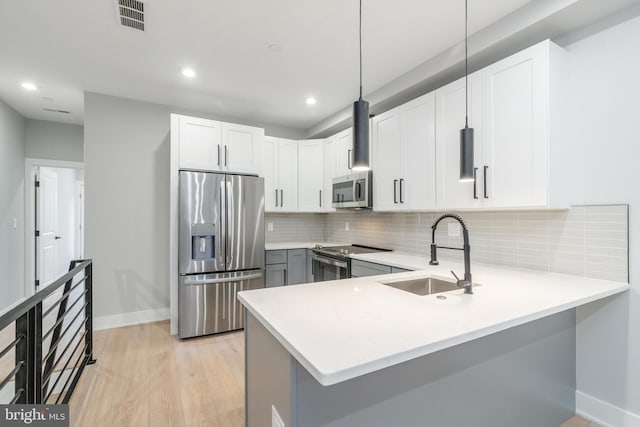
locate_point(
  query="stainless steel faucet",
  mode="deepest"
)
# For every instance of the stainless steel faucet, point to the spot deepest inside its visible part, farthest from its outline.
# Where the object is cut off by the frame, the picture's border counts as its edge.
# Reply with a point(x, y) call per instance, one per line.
point(466, 283)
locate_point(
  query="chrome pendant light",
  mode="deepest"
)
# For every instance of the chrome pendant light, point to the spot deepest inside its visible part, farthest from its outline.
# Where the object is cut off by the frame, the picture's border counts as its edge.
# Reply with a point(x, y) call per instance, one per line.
point(466, 134)
point(360, 122)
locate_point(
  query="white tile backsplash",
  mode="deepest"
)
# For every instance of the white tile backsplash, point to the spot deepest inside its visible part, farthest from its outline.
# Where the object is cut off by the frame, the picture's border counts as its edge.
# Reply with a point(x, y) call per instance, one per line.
point(586, 241)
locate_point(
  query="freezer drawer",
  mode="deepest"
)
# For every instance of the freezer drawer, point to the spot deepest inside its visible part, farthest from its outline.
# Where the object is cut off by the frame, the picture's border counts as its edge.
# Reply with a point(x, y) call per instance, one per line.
point(209, 303)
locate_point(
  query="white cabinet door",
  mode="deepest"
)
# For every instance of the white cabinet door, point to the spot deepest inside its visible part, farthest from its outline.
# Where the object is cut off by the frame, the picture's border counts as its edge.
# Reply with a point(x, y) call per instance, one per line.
point(418, 186)
point(344, 152)
point(270, 174)
point(200, 143)
point(310, 175)
point(242, 146)
point(288, 175)
point(450, 118)
point(387, 160)
point(329, 171)
point(515, 126)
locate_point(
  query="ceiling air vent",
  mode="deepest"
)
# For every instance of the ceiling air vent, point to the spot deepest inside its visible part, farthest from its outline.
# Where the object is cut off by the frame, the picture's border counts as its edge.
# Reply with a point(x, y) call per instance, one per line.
point(130, 13)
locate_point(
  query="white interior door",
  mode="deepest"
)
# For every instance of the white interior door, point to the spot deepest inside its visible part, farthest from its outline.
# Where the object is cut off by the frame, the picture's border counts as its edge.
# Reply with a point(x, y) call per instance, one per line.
point(46, 225)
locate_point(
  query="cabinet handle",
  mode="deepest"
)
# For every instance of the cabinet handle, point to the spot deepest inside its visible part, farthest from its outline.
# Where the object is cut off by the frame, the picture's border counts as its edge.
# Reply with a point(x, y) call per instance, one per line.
point(226, 156)
point(218, 154)
point(475, 187)
point(395, 193)
point(486, 168)
point(320, 198)
point(276, 197)
point(281, 198)
point(286, 277)
point(349, 159)
point(401, 181)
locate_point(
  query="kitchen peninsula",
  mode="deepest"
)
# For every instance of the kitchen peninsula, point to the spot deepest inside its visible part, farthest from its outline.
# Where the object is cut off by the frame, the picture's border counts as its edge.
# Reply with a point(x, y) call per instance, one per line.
point(356, 352)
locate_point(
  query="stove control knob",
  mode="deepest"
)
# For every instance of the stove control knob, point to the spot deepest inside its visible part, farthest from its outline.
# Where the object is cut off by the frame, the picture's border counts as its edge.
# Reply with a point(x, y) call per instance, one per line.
point(344, 251)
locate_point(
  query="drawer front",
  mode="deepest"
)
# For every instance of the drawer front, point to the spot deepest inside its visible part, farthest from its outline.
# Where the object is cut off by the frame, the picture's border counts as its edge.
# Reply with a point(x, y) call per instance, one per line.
point(277, 257)
point(364, 269)
point(399, 270)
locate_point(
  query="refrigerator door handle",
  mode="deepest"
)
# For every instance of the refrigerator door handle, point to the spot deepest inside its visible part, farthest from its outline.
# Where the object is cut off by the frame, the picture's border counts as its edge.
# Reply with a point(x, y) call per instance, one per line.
point(223, 280)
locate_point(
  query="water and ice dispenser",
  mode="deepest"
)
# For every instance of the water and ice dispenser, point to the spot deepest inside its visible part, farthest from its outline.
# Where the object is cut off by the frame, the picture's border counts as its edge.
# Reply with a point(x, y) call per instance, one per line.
point(203, 241)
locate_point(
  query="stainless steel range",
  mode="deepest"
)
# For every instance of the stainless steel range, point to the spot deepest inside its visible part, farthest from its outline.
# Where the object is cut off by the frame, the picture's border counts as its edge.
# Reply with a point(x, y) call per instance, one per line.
point(334, 262)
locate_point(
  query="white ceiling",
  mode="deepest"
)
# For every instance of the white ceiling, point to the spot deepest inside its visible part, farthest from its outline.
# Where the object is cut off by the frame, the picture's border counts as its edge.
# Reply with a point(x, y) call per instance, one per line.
point(70, 46)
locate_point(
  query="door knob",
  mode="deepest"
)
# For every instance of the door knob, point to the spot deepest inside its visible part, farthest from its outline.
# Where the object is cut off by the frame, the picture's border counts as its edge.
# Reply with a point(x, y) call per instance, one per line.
point(58, 237)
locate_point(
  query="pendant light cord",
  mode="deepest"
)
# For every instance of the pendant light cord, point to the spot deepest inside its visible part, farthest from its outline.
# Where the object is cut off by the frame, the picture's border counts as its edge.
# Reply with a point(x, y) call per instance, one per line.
point(360, 31)
point(466, 67)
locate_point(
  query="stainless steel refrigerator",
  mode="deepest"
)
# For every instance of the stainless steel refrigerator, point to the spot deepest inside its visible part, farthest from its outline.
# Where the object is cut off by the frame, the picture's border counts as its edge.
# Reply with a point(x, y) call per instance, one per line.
point(221, 249)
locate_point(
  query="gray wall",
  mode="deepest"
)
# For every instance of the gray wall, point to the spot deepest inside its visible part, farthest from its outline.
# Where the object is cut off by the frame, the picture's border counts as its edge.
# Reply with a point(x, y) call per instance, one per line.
point(50, 140)
point(11, 205)
point(605, 96)
point(127, 201)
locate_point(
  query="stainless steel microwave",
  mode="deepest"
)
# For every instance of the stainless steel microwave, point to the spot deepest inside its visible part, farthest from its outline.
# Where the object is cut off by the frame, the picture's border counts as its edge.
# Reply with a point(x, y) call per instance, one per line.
point(352, 191)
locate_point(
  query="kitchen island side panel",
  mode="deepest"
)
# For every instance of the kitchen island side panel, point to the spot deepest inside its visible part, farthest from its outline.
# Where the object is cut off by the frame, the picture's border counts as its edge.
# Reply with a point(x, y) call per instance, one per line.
point(269, 376)
point(523, 376)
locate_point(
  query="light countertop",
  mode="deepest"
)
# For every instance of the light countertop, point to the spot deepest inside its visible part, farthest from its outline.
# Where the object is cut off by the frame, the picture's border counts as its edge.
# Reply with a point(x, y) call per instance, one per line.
point(296, 245)
point(340, 330)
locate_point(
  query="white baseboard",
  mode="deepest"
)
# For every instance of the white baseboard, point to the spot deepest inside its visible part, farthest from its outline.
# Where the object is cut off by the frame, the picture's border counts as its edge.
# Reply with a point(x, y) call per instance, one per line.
point(132, 318)
point(604, 413)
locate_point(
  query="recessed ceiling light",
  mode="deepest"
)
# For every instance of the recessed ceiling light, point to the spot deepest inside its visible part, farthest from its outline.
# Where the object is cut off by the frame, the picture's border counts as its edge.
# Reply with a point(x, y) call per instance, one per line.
point(311, 101)
point(29, 86)
point(189, 72)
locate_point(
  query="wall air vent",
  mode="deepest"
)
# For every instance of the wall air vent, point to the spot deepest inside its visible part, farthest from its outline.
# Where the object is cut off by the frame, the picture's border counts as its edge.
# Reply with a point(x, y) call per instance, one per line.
point(130, 13)
point(54, 110)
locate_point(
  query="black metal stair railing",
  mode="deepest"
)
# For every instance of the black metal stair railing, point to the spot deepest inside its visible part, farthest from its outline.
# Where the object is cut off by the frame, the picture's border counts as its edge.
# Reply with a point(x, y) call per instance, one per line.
point(49, 363)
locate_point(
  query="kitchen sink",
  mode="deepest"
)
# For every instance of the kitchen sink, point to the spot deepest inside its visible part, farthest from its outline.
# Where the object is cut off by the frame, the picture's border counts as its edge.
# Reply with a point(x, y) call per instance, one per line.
point(424, 285)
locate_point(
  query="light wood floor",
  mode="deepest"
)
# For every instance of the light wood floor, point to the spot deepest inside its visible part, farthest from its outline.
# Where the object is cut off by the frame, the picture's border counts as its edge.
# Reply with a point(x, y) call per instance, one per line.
point(145, 377)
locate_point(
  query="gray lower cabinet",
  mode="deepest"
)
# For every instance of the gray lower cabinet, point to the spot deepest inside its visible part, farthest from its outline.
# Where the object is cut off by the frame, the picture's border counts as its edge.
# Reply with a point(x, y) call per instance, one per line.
point(286, 267)
point(275, 275)
point(364, 269)
point(296, 266)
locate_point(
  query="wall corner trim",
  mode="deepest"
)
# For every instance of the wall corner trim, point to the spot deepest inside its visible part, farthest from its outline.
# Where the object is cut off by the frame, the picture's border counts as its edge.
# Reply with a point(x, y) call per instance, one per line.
point(604, 413)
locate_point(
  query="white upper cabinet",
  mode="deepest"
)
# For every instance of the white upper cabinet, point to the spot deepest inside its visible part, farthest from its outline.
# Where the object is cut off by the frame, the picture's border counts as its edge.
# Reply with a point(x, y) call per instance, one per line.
point(329, 172)
point(200, 143)
point(280, 171)
point(417, 186)
point(515, 152)
point(242, 148)
point(210, 145)
point(288, 175)
point(403, 142)
point(344, 152)
point(517, 107)
point(387, 159)
point(450, 118)
point(310, 175)
point(270, 173)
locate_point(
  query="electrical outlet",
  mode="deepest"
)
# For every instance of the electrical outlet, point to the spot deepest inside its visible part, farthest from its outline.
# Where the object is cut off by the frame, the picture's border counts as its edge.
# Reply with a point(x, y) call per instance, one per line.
point(454, 229)
point(269, 226)
point(346, 226)
point(15, 223)
point(276, 421)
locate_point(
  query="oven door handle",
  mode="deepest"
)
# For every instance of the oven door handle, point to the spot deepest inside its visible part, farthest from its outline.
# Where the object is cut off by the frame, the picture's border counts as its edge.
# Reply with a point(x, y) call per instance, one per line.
point(330, 261)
